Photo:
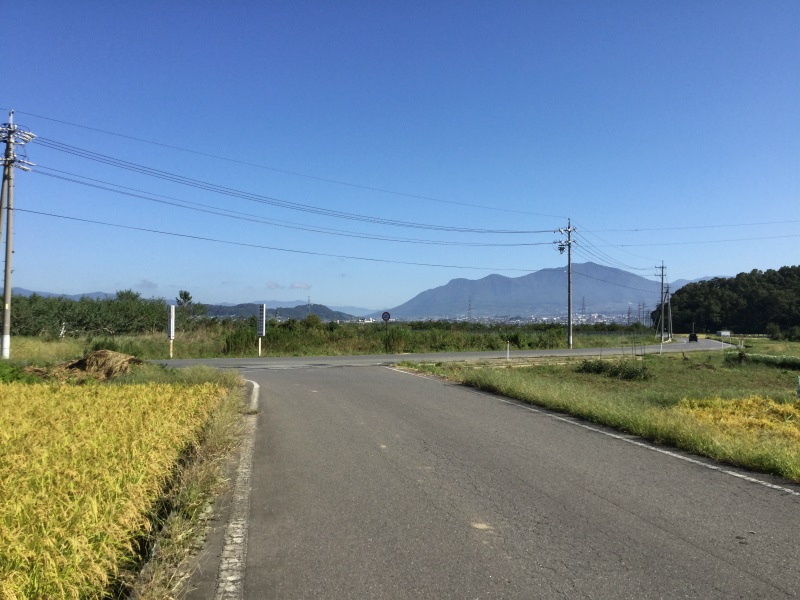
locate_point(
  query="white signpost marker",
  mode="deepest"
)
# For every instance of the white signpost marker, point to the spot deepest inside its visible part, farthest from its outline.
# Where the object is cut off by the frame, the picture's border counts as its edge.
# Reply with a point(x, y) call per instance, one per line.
point(262, 325)
point(171, 327)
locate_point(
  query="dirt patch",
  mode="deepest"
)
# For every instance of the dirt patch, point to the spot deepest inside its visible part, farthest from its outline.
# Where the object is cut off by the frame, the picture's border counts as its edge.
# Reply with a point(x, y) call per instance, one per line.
point(100, 365)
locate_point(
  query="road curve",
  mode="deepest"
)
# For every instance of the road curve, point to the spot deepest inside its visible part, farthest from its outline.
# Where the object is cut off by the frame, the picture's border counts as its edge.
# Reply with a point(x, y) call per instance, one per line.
point(374, 483)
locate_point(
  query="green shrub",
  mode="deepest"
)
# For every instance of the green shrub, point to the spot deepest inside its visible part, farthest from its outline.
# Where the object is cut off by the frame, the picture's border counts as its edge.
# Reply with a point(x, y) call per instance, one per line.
point(621, 369)
point(594, 366)
point(242, 339)
point(628, 370)
point(10, 372)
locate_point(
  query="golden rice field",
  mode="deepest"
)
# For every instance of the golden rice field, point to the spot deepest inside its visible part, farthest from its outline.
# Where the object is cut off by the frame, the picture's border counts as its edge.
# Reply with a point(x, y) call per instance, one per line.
point(81, 469)
point(755, 416)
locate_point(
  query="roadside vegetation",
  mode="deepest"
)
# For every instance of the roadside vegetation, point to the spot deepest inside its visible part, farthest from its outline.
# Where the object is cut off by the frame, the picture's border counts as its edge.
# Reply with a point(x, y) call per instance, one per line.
point(48, 339)
point(107, 465)
point(721, 405)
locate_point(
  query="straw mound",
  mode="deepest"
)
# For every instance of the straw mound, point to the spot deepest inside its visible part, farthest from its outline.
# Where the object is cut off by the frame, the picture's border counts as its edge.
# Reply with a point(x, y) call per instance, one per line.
point(104, 364)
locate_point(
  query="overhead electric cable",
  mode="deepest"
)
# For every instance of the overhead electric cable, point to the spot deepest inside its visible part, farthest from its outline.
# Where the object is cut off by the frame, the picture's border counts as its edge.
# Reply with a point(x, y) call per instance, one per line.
point(750, 239)
point(612, 283)
point(165, 175)
point(588, 246)
point(609, 244)
point(261, 247)
point(293, 173)
point(208, 209)
point(620, 264)
point(645, 229)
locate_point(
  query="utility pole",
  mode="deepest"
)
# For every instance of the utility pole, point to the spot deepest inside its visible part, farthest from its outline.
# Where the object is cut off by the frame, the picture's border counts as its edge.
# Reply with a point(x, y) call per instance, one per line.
point(662, 268)
point(567, 245)
point(10, 134)
point(669, 314)
point(469, 310)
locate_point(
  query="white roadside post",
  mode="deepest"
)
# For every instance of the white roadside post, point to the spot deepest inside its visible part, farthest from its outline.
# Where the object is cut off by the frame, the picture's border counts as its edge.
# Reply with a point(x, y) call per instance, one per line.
point(262, 325)
point(171, 327)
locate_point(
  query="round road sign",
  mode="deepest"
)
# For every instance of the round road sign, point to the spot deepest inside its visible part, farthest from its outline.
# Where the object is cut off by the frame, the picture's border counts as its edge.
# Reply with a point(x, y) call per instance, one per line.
point(386, 316)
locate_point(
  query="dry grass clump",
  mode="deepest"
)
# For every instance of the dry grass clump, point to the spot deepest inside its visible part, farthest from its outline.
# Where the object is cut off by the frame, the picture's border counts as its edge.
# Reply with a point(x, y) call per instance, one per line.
point(105, 364)
point(100, 365)
point(81, 472)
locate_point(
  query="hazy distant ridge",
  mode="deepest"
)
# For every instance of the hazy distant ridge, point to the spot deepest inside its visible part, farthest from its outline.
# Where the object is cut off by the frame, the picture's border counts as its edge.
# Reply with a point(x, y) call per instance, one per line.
point(544, 293)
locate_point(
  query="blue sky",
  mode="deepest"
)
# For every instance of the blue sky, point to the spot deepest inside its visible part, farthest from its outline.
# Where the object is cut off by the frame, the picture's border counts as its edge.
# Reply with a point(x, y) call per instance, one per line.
point(660, 129)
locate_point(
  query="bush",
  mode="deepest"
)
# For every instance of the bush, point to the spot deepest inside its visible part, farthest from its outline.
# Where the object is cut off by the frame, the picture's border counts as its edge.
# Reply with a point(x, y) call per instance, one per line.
point(10, 372)
point(773, 330)
point(621, 369)
point(629, 371)
point(594, 366)
point(242, 339)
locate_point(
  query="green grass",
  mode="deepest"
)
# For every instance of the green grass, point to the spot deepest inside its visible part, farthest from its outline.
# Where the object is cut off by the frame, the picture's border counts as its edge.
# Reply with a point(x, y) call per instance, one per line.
point(651, 407)
point(774, 347)
point(237, 340)
point(41, 351)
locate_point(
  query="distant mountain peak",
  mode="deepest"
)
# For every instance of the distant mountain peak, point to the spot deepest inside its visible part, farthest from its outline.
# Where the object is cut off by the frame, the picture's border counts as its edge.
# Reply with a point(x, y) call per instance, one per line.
point(600, 289)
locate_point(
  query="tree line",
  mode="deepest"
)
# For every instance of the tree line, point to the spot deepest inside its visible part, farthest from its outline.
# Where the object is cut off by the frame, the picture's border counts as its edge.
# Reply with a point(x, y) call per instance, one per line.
point(124, 314)
point(758, 302)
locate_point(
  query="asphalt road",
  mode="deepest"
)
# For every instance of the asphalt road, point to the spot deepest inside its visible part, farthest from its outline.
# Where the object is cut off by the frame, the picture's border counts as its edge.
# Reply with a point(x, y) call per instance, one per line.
point(289, 362)
point(372, 483)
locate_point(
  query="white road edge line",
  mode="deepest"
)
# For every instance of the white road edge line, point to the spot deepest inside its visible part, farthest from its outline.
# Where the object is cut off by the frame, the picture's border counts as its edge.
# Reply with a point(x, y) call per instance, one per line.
point(230, 579)
point(627, 439)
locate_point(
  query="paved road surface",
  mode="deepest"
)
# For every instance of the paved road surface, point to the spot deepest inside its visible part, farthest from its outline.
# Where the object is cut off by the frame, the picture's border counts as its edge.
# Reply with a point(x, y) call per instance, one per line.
point(289, 362)
point(372, 483)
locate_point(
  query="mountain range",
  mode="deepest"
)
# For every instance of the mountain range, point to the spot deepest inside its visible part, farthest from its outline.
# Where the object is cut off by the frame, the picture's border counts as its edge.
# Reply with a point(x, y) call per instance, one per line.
point(596, 289)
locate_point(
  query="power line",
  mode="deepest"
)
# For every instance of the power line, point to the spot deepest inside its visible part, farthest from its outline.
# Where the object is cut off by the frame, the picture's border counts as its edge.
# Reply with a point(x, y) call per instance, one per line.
point(643, 229)
point(749, 239)
point(610, 245)
point(590, 251)
point(262, 199)
point(626, 266)
point(210, 209)
point(613, 283)
point(287, 172)
point(589, 246)
point(261, 247)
